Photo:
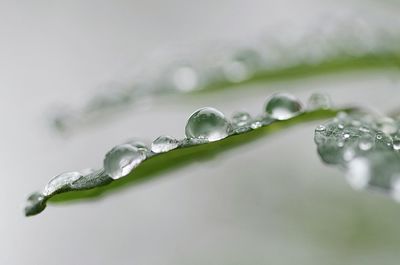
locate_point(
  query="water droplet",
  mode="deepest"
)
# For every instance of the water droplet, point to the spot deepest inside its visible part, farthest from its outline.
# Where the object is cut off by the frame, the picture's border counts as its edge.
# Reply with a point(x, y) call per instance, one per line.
point(36, 203)
point(387, 125)
point(364, 129)
point(365, 142)
point(340, 126)
point(396, 144)
point(283, 106)
point(61, 181)
point(241, 119)
point(346, 136)
point(185, 78)
point(342, 116)
point(120, 160)
point(319, 136)
point(163, 144)
point(207, 124)
point(138, 144)
point(319, 101)
point(358, 173)
point(256, 124)
point(379, 136)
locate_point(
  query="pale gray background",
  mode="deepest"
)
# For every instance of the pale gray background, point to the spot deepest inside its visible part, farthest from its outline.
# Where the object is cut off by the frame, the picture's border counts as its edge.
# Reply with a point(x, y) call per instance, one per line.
point(270, 202)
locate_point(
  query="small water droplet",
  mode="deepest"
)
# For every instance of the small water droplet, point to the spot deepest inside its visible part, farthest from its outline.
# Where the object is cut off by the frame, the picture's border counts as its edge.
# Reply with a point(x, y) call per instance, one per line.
point(207, 124)
point(163, 144)
point(185, 78)
point(342, 116)
point(358, 173)
point(121, 159)
point(365, 142)
point(346, 136)
point(320, 128)
point(241, 119)
point(364, 129)
point(283, 106)
point(60, 181)
point(396, 144)
point(379, 136)
point(319, 101)
point(340, 126)
point(256, 124)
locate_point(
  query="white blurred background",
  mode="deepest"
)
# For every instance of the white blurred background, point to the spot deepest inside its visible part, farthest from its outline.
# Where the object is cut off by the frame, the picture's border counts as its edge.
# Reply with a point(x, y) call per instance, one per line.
point(270, 202)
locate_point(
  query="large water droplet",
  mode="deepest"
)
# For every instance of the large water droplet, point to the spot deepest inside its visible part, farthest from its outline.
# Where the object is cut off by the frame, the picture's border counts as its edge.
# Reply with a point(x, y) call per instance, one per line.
point(163, 144)
point(207, 124)
point(36, 203)
point(138, 144)
point(282, 106)
point(120, 160)
point(61, 181)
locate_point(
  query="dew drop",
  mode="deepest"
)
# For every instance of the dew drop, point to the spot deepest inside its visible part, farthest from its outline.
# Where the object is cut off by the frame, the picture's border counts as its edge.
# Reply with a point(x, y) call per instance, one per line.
point(396, 144)
point(387, 125)
point(60, 181)
point(138, 144)
point(163, 144)
point(320, 128)
point(365, 142)
point(36, 203)
point(319, 101)
point(256, 124)
point(340, 126)
point(241, 119)
point(207, 124)
point(358, 173)
point(120, 160)
point(281, 106)
point(364, 129)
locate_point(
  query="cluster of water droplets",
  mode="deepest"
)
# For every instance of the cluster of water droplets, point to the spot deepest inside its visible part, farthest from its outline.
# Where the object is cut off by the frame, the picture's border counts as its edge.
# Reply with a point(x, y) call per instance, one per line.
point(366, 146)
point(205, 125)
point(343, 37)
